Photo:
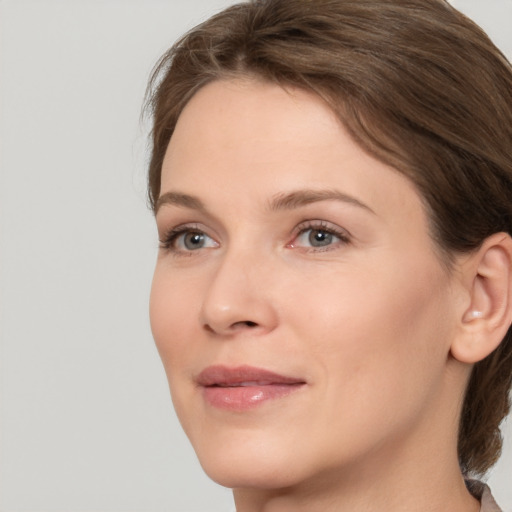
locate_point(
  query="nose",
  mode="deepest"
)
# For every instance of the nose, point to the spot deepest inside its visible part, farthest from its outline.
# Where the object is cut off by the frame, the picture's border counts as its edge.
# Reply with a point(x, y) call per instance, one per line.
point(238, 297)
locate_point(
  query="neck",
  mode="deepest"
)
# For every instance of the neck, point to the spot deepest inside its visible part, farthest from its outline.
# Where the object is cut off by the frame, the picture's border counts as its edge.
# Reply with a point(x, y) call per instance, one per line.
point(393, 488)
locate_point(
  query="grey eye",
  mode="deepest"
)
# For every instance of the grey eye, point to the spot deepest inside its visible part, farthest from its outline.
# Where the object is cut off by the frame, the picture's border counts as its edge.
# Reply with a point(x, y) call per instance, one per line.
point(319, 238)
point(193, 240)
point(183, 240)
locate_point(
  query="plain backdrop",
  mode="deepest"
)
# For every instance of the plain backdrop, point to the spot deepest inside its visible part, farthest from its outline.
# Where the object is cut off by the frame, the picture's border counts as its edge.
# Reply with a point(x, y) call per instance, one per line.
point(86, 423)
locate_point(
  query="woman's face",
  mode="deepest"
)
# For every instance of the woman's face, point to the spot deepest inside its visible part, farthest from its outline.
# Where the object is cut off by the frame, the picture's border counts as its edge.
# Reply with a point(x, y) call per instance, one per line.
point(299, 307)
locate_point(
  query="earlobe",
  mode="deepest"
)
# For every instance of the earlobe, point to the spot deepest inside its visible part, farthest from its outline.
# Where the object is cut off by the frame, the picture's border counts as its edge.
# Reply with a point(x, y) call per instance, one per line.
point(485, 322)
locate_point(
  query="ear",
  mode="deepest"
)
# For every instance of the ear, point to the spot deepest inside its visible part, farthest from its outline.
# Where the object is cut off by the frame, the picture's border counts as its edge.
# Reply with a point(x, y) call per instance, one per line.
point(487, 275)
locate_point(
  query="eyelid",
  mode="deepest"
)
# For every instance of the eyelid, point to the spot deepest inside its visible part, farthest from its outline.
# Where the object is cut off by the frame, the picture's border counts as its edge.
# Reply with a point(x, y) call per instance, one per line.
point(320, 225)
point(170, 236)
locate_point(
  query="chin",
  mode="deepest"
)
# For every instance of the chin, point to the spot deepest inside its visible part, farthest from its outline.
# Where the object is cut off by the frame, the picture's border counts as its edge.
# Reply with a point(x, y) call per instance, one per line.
point(250, 461)
point(251, 473)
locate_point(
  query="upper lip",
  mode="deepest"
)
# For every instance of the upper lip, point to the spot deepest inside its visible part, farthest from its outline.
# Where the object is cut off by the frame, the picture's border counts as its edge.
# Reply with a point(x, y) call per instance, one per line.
point(242, 375)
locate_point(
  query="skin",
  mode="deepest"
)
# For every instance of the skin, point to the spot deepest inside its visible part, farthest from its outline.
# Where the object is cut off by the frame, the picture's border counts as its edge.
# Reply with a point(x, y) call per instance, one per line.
point(366, 320)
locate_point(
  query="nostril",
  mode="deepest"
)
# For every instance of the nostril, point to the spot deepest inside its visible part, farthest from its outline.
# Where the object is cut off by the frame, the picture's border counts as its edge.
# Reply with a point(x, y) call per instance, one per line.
point(208, 328)
point(244, 323)
point(237, 325)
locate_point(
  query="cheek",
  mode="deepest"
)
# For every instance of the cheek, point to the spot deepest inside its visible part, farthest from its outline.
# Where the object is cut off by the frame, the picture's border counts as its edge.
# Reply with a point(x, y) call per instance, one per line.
point(377, 356)
point(380, 338)
point(171, 309)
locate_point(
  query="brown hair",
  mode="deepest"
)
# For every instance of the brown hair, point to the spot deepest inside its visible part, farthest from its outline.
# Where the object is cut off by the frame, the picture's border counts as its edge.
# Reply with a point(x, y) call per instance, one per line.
point(419, 86)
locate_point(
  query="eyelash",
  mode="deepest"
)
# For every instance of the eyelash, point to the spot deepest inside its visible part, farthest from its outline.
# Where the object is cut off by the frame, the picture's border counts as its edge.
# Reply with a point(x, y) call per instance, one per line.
point(168, 242)
point(322, 226)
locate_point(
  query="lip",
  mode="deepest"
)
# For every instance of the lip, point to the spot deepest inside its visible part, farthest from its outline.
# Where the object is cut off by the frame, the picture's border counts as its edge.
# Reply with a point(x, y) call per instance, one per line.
point(244, 387)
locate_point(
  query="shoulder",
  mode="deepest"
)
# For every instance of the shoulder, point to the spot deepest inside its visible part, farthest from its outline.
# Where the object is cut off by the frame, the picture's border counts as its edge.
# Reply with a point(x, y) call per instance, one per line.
point(482, 492)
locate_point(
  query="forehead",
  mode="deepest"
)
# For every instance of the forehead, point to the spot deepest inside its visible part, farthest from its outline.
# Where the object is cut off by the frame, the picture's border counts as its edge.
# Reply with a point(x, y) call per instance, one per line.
point(244, 115)
point(262, 137)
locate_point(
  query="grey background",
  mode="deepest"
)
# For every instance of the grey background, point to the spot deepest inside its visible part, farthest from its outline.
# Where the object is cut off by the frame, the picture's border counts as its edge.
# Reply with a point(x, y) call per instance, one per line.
point(86, 423)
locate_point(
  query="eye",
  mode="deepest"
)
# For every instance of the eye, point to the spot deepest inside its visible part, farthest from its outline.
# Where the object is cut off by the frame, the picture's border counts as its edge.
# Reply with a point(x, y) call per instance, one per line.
point(319, 236)
point(185, 239)
point(192, 241)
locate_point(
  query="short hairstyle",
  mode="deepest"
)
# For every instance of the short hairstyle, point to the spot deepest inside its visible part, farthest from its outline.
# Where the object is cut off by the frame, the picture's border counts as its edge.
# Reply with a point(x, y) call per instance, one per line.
point(419, 86)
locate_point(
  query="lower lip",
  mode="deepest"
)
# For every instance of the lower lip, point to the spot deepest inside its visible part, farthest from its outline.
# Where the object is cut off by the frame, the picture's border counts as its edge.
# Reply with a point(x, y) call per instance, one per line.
point(240, 398)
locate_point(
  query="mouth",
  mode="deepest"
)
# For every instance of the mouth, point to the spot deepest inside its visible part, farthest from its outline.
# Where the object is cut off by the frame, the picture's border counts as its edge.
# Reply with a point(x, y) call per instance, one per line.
point(244, 387)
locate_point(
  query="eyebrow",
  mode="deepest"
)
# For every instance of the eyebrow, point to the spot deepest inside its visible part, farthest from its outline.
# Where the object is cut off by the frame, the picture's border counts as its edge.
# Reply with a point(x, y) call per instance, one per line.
point(299, 198)
point(181, 200)
point(285, 201)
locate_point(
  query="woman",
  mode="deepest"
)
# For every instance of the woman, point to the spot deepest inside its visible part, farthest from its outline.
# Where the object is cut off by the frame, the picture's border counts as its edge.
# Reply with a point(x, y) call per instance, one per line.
point(332, 300)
